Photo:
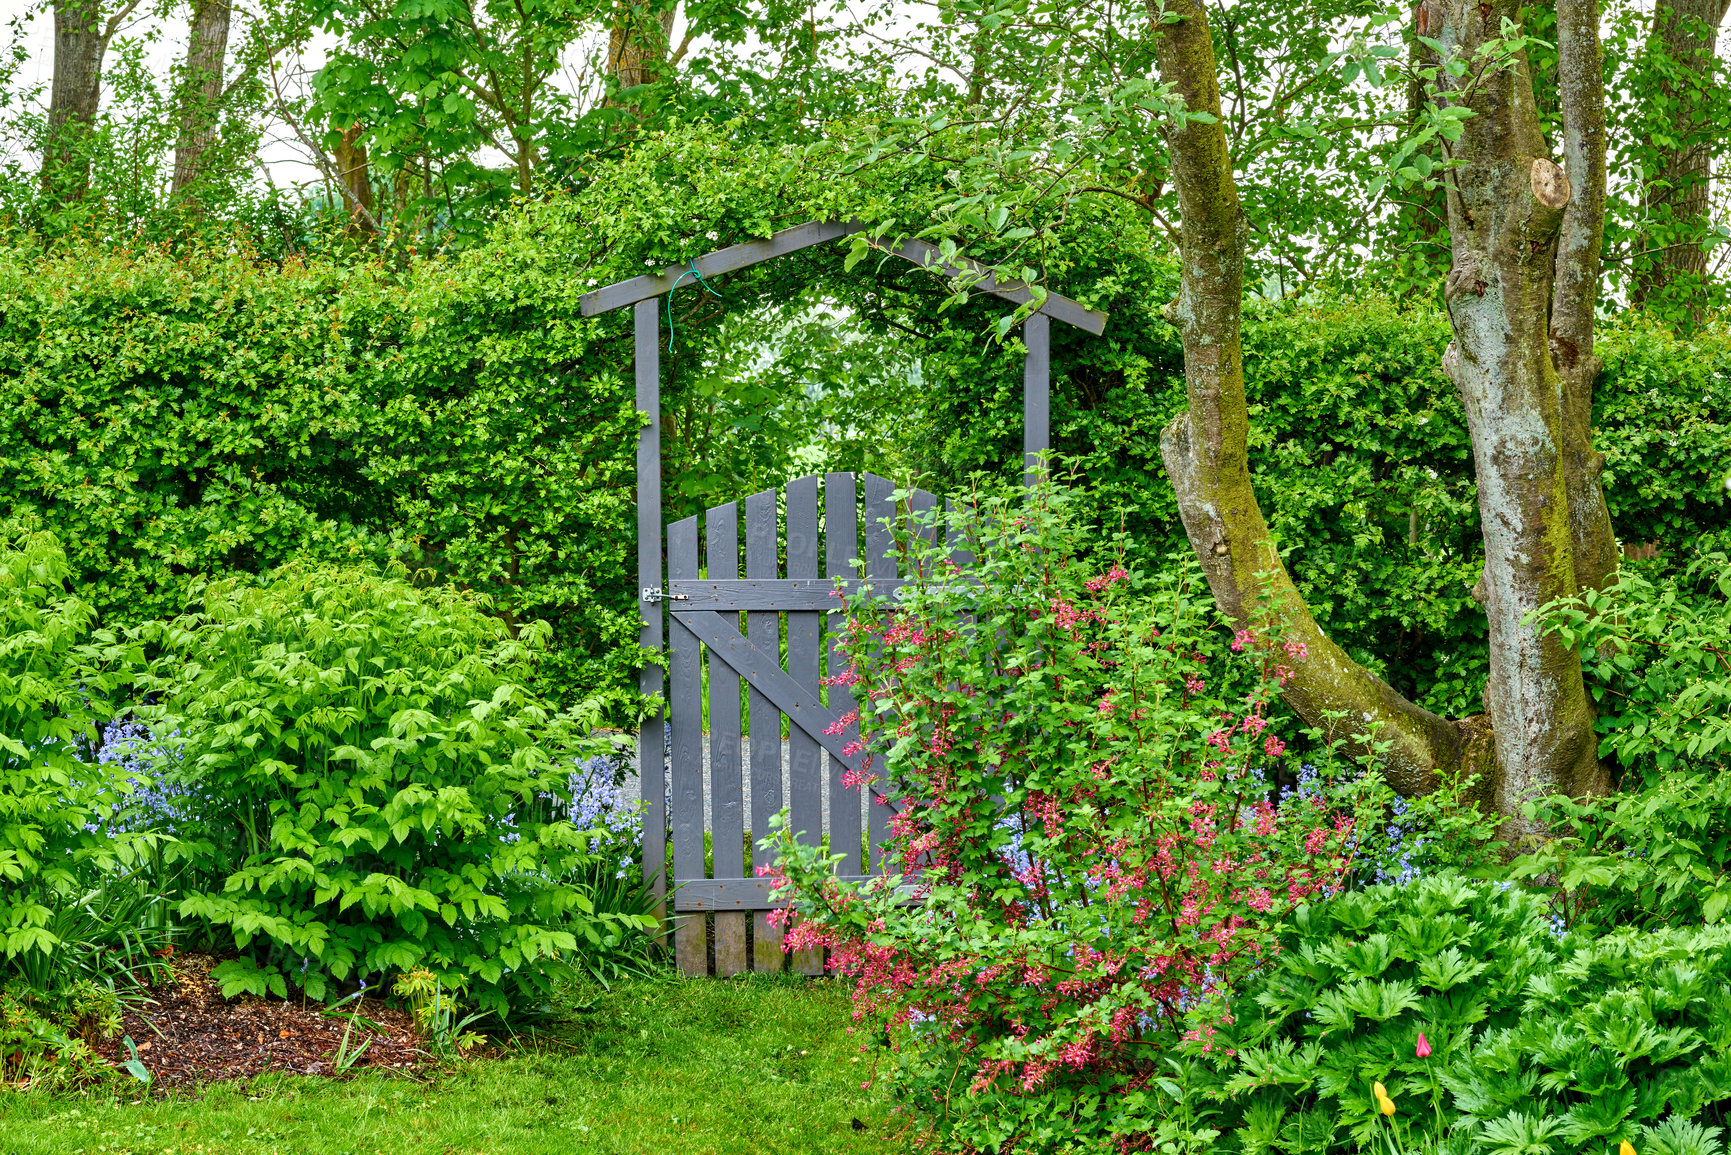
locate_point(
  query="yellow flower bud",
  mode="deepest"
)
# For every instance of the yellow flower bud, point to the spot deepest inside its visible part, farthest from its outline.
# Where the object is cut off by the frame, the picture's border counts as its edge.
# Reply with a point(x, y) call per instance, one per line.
point(1386, 1104)
point(1625, 1148)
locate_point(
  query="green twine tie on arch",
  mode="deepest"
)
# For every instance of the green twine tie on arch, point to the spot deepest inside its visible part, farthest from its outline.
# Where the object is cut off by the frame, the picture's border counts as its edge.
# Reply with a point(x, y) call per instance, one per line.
point(693, 271)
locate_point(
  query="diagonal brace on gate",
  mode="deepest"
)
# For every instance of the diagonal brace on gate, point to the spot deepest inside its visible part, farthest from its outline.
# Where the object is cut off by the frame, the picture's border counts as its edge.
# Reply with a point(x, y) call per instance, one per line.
point(801, 705)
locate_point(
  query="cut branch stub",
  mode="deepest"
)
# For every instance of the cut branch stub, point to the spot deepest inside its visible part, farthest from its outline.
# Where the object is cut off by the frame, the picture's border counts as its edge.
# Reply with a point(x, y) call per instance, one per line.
point(1550, 184)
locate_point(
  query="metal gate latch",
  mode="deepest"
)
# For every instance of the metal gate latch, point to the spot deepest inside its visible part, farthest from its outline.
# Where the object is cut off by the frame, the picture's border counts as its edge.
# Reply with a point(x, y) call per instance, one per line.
point(657, 594)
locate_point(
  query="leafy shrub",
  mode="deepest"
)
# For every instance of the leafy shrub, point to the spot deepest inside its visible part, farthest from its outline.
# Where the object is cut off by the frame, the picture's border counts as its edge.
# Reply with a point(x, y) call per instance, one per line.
point(1533, 1039)
point(53, 798)
point(1659, 852)
point(377, 790)
point(77, 919)
point(1096, 852)
point(1663, 661)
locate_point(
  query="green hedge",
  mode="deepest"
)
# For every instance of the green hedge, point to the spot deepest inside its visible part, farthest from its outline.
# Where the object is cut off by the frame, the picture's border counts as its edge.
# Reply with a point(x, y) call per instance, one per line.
point(202, 412)
point(168, 416)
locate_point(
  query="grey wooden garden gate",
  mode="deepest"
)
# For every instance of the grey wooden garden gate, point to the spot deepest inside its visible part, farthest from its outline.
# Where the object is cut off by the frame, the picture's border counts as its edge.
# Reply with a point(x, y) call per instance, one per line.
point(699, 615)
point(851, 541)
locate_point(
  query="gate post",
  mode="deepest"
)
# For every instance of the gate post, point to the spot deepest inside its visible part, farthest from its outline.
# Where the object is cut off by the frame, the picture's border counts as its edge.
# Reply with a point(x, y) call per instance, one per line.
point(651, 743)
point(1036, 395)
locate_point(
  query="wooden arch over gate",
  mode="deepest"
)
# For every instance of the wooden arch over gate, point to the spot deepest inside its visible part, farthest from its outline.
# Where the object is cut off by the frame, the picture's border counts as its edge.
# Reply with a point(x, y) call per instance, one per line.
point(705, 616)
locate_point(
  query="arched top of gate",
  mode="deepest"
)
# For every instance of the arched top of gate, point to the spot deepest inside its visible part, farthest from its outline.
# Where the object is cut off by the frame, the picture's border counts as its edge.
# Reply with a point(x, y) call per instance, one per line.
point(622, 293)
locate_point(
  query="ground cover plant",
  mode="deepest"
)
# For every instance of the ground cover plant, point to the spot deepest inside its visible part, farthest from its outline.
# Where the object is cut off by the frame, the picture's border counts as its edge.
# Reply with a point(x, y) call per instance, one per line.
point(1487, 1024)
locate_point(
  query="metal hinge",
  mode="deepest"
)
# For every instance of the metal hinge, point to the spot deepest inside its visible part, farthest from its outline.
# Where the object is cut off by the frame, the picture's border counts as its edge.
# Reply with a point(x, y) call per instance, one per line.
point(657, 594)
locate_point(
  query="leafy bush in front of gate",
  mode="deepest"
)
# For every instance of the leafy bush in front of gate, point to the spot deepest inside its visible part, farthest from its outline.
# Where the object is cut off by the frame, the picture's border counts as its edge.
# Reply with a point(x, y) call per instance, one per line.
point(366, 786)
point(1088, 821)
point(75, 915)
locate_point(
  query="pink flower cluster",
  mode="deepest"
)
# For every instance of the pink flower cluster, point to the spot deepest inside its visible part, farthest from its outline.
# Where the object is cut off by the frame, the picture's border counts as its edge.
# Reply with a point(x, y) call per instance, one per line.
point(1115, 574)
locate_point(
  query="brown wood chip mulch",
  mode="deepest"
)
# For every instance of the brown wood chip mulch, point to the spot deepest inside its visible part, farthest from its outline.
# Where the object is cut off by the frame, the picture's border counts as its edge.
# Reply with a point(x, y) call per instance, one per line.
point(189, 1034)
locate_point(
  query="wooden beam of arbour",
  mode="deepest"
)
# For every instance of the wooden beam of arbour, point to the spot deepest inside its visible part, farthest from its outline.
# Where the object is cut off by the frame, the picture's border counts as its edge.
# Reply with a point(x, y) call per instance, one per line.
point(802, 705)
point(622, 293)
point(927, 256)
point(1036, 396)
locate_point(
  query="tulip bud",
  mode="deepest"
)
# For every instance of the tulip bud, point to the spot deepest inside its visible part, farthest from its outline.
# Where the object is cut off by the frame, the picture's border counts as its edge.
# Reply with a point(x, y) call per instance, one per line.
point(1625, 1148)
point(1424, 1053)
point(1386, 1104)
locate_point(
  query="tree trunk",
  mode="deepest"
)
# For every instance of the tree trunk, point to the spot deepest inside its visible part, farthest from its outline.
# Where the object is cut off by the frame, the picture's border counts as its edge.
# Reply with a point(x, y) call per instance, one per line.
point(1205, 449)
point(356, 180)
point(1682, 188)
point(1520, 229)
point(1575, 294)
point(1507, 206)
point(637, 46)
point(201, 90)
point(79, 43)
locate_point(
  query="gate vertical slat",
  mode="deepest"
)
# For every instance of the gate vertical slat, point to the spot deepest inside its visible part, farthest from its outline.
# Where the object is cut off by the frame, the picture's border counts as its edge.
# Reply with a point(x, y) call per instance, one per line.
point(651, 739)
point(805, 755)
point(880, 562)
point(956, 536)
point(726, 792)
point(841, 555)
point(685, 691)
point(763, 630)
point(921, 523)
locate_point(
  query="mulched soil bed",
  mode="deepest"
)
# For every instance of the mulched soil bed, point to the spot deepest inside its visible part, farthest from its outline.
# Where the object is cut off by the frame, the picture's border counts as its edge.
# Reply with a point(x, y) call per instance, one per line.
point(189, 1034)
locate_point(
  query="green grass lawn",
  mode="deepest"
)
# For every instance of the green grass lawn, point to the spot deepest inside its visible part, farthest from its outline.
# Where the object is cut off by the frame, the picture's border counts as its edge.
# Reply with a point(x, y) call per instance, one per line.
point(661, 1067)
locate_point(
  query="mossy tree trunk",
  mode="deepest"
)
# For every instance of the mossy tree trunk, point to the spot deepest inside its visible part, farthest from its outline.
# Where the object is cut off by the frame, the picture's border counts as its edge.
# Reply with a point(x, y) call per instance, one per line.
point(1524, 231)
point(201, 92)
point(1527, 237)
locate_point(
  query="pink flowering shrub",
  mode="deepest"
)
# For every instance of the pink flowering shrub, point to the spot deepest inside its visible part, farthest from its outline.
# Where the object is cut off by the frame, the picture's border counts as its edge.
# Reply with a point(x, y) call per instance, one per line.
point(1091, 850)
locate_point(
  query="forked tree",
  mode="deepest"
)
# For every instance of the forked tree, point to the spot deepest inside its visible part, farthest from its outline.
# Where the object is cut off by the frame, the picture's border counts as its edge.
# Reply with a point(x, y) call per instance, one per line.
point(1526, 234)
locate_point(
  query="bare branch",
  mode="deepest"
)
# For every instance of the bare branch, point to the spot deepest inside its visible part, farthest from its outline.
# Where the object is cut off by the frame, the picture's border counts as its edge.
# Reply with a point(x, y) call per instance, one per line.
point(320, 159)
